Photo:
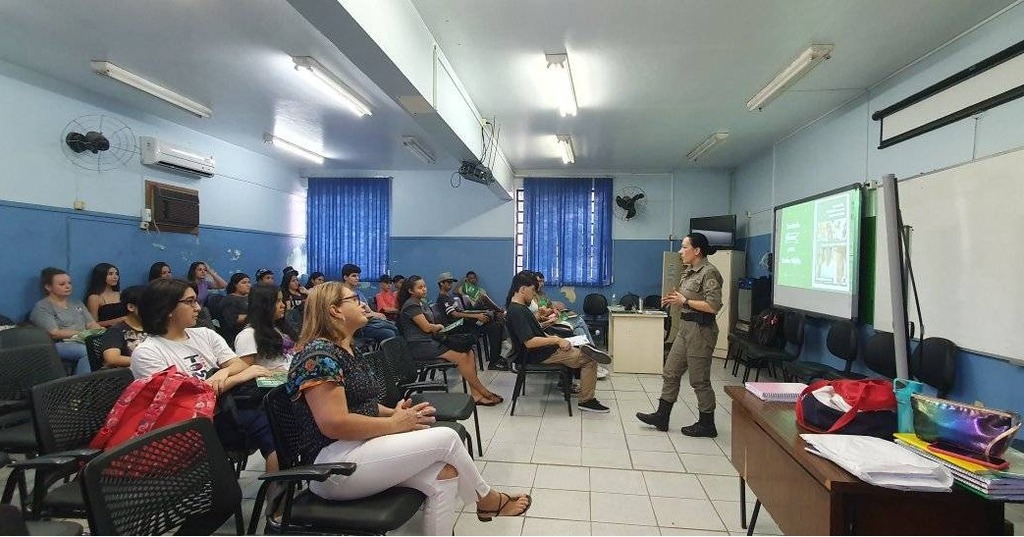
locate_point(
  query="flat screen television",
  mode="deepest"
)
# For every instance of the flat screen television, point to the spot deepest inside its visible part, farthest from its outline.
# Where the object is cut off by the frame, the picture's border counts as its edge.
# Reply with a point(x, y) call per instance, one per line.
point(720, 230)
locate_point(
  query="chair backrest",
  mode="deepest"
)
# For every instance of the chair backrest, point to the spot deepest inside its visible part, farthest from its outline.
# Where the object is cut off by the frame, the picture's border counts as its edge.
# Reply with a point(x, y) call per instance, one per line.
point(793, 328)
point(295, 442)
point(842, 341)
point(94, 349)
point(437, 314)
point(177, 477)
point(398, 365)
point(595, 304)
point(933, 362)
point(880, 354)
point(214, 303)
point(294, 317)
point(68, 412)
point(386, 377)
point(652, 302)
point(630, 301)
point(23, 336)
point(23, 367)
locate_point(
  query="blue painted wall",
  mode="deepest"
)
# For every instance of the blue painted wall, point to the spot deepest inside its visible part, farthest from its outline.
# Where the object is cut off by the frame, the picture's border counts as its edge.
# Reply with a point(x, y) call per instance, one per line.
point(842, 149)
point(35, 236)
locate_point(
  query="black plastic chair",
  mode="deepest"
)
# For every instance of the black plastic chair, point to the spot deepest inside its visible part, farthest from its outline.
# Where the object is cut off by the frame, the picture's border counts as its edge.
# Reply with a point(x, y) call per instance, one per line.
point(756, 356)
point(23, 336)
point(880, 354)
point(13, 523)
point(449, 406)
point(524, 368)
point(933, 362)
point(595, 314)
point(305, 512)
point(652, 302)
point(842, 343)
point(479, 345)
point(94, 349)
point(176, 478)
point(390, 391)
point(21, 368)
point(67, 414)
point(630, 301)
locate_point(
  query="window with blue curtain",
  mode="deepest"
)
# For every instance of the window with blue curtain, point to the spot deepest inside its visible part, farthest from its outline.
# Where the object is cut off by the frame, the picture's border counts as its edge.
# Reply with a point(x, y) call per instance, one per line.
point(348, 220)
point(567, 231)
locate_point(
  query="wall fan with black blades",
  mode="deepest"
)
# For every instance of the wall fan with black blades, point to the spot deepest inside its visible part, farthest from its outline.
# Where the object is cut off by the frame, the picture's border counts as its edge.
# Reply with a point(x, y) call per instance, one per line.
point(629, 202)
point(98, 143)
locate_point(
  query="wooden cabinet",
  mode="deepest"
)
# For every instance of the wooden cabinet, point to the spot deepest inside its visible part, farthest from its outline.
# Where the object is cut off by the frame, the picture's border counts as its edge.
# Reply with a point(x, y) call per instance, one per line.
point(730, 264)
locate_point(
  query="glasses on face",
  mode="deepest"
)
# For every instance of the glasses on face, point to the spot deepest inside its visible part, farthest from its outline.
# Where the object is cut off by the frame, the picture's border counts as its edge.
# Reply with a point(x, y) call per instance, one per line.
point(190, 302)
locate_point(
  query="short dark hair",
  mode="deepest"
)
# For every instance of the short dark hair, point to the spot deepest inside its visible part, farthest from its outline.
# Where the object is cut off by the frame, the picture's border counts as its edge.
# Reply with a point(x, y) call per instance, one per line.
point(155, 269)
point(397, 277)
point(700, 242)
point(470, 273)
point(538, 274)
point(132, 294)
point(384, 278)
point(157, 302)
point(313, 276)
point(349, 268)
point(525, 278)
point(46, 277)
point(233, 281)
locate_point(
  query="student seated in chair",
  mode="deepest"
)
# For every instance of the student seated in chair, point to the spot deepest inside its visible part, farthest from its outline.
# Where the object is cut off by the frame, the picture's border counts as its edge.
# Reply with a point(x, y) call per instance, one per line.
point(542, 348)
point(103, 298)
point(267, 340)
point(549, 312)
point(393, 447)
point(120, 340)
point(63, 317)
point(475, 297)
point(474, 323)
point(377, 328)
point(387, 298)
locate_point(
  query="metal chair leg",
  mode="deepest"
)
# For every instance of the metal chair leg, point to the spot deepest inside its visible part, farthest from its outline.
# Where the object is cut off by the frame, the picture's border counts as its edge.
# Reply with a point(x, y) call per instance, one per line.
point(476, 423)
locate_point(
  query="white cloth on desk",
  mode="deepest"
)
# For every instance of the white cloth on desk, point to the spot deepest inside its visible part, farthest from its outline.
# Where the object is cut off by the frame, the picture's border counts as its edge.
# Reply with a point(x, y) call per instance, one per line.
point(880, 462)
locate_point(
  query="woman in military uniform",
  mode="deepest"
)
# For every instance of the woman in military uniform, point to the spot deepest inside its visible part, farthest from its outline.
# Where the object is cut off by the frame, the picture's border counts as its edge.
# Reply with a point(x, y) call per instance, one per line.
point(700, 297)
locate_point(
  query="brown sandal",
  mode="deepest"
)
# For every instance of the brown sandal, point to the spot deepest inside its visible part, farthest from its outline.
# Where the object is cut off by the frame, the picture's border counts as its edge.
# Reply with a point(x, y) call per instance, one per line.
point(493, 400)
point(503, 500)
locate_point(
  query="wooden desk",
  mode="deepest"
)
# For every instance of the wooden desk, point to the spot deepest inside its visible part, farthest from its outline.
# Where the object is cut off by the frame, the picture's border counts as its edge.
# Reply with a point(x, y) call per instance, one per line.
point(809, 495)
point(636, 341)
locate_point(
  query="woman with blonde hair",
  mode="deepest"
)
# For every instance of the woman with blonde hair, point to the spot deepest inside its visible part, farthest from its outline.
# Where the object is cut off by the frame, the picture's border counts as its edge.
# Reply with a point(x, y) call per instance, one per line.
point(392, 446)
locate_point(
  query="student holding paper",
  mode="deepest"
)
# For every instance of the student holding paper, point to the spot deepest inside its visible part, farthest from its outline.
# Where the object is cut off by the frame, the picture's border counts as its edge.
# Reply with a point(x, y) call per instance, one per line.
point(700, 296)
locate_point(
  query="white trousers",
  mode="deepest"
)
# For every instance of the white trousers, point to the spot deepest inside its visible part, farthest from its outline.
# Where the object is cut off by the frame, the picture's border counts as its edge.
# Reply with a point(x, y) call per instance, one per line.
point(413, 460)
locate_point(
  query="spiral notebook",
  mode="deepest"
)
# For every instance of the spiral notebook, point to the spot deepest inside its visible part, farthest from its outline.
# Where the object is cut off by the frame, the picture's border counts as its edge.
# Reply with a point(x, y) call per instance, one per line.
point(776, 392)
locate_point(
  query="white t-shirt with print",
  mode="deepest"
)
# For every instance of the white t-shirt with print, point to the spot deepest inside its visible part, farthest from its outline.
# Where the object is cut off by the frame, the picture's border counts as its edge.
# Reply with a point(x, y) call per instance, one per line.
point(202, 351)
point(245, 344)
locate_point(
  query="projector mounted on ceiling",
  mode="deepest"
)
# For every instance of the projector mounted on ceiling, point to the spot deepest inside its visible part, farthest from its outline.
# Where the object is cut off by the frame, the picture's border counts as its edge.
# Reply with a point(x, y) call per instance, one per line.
point(478, 173)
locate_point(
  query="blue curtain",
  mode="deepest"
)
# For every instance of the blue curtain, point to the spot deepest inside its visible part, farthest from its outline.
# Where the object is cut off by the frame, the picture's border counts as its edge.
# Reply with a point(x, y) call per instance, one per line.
point(565, 237)
point(348, 220)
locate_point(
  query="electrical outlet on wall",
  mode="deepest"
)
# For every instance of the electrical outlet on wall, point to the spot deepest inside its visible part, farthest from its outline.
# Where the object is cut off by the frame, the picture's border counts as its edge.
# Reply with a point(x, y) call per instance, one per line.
point(79, 205)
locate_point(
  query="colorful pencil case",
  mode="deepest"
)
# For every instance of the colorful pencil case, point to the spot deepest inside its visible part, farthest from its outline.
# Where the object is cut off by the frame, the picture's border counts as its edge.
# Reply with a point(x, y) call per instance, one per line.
point(981, 430)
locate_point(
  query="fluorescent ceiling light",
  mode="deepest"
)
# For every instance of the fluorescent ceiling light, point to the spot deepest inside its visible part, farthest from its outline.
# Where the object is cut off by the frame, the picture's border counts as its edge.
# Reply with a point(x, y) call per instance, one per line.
point(414, 147)
point(561, 81)
point(565, 144)
point(293, 148)
point(709, 143)
point(152, 88)
point(802, 65)
point(316, 74)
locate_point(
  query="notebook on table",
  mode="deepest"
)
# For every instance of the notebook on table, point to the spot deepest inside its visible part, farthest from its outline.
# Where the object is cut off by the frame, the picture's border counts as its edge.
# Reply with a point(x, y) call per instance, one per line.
point(776, 392)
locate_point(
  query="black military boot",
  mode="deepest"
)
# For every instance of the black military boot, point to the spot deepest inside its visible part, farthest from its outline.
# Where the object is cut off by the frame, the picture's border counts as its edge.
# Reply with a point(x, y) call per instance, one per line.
point(659, 419)
point(704, 428)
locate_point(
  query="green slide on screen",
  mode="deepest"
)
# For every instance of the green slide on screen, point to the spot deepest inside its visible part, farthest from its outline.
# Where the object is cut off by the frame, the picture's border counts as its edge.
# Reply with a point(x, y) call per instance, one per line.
point(817, 245)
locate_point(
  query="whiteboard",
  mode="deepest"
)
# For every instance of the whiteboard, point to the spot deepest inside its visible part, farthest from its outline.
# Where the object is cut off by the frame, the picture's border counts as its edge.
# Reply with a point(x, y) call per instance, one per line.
point(967, 251)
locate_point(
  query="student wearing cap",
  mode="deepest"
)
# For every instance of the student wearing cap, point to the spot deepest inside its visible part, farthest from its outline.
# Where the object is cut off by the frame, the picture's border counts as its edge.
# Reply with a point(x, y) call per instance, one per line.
point(387, 298)
point(264, 276)
point(378, 327)
point(475, 323)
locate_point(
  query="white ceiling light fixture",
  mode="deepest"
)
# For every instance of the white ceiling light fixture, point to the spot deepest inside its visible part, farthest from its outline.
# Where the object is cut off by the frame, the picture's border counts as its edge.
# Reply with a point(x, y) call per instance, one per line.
point(565, 145)
point(320, 77)
point(709, 144)
point(561, 83)
point(293, 148)
point(802, 65)
point(127, 77)
point(420, 152)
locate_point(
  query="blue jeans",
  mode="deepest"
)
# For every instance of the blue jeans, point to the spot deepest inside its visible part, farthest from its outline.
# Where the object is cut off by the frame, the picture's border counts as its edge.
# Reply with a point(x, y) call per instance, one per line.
point(72, 351)
point(580, 328)
point(378, 330)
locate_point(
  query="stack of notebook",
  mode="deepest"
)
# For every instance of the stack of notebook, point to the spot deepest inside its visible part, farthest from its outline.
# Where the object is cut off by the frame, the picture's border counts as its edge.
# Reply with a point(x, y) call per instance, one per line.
point(990, 484)
point(776, 392)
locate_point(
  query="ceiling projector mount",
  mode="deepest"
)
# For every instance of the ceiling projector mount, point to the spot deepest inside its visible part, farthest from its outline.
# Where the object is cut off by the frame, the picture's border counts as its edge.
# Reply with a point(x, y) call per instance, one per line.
point(476, 172)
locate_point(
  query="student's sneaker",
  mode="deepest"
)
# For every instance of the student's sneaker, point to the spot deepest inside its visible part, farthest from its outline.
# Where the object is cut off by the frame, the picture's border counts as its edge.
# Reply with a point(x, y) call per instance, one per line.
point(602, 373)
point(592, 405)
point(595, 354)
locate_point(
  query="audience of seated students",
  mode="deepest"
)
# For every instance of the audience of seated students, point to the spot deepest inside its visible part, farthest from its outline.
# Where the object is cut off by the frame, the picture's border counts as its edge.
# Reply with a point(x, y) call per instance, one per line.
point(314, 280)
point(475, 297)
point(422, 346)
point(235, 306)
point(387, 298)
point(392, 446)
point(377, 328)
point(63, 317)
point(103, 296)
point(264, 276)
point(168, 310)
point(159, 270)
point(550, 312)
point(120, 340)
point(291, 290)
point(474, 323)
point(204, 278)
point(267, 340)
point(541, 348)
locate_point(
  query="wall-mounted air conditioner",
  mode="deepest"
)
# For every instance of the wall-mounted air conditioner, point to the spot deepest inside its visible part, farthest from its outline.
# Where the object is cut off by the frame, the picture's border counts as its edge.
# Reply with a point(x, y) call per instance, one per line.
point(156, 152)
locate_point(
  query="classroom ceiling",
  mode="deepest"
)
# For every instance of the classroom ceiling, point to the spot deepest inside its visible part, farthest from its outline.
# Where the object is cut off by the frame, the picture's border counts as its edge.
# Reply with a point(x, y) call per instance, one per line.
point(653, 77)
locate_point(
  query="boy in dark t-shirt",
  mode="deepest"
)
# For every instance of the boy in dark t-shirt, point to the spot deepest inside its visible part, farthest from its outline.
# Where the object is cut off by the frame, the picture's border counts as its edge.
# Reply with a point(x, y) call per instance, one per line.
point(120, 340)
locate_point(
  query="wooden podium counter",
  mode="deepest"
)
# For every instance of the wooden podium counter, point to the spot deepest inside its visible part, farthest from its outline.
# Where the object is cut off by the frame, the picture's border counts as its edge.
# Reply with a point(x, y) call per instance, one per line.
point(809, 495)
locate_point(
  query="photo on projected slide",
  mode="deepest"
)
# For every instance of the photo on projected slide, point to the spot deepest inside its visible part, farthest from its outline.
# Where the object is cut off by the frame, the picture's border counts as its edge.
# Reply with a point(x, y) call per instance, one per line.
point(814, 249)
